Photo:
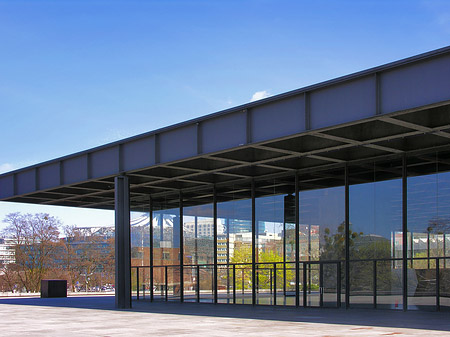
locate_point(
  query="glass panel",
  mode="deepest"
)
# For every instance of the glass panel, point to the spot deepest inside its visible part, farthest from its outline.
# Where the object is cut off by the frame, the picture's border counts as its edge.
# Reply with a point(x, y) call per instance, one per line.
point(198, 237)
point(273, 215)
point(330, 284)
point(140, 251)
point(428, 228)
point(234, 243)
point(375, 227)
point(313, 284)
point(322, 225)
point(444, 283)
point(166, 249)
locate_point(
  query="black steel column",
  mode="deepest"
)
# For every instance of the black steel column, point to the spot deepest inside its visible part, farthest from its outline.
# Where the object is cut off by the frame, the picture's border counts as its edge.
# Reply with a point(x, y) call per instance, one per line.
point(181, 250)
point(215, 244)
point(297, 245)
point(405, 231)
point(347, 242)
point(254, 251)
point(122, 243)
point(150, 213)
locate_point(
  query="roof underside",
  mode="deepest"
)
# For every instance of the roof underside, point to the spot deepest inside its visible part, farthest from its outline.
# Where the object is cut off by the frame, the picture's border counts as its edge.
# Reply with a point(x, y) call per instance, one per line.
point(375, 115)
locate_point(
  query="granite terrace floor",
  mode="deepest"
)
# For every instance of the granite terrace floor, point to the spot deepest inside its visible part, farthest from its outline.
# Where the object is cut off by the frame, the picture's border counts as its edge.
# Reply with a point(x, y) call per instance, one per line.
point(96, 316)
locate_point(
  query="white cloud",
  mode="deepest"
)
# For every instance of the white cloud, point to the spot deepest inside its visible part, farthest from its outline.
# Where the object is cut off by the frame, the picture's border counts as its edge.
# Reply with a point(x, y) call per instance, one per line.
point(444, 21)
point(6, 167)
point(260, 95)
point(441, 13)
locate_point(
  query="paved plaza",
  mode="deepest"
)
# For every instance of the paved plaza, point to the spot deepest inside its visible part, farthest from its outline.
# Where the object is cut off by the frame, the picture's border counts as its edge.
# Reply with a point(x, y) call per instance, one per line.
point(96, 316)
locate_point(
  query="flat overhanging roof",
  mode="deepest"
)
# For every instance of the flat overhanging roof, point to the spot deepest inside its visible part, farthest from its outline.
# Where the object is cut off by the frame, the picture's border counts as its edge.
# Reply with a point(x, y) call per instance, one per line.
point(383, 112)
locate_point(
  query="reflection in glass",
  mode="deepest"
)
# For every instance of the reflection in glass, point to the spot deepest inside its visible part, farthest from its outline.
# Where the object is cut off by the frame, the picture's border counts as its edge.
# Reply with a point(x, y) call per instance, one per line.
point(375, 233)
point(428, 230)
point(234, 246)
point(273, 218)
point(322, 233)
point(166, 252)
point(198, 236)
point(140, 251)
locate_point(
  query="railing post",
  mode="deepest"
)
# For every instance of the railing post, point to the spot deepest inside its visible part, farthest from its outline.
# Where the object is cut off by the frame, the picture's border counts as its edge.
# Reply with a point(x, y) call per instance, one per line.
point(297, 245)
point(198, 283)
point(304, 285)
point(374, 284)
point(255, 285)
point(166, 283)
point(234, 284)
point(270, 280)
point(438, 298)
point(405, 232)
point(151, 250)
point(215, 271)
point(321, 289)
point(137, 283)
point(347, 238)
point(162, 289)
point(274, 284)
point(254, 250)
point(243, 280)
point(181, 249)
point(339, 284)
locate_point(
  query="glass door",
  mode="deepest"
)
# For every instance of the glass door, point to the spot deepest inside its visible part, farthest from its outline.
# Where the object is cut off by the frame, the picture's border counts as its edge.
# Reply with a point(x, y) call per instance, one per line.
point(322, 284)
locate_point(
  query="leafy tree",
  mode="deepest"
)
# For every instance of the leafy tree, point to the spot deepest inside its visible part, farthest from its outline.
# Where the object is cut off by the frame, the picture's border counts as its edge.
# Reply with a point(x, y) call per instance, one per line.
point(242, 256)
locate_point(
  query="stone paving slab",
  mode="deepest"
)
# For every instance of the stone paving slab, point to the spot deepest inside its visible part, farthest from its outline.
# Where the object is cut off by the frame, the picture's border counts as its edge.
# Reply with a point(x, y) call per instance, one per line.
point(96, 316)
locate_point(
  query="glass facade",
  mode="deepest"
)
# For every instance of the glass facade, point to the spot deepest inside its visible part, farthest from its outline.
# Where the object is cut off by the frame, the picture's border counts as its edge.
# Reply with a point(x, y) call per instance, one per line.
point(372, 234)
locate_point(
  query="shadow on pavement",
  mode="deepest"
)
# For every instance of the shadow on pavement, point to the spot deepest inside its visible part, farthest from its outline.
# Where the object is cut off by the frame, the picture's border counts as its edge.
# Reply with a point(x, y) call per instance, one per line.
point(360, 317)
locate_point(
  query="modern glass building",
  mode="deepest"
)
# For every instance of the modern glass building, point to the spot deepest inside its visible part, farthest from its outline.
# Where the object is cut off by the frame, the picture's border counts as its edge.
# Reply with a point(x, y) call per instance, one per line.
point(333, 195)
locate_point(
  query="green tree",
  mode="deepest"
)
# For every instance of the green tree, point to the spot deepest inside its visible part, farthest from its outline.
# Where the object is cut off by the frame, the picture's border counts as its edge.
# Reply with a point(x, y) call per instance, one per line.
point(242, 256)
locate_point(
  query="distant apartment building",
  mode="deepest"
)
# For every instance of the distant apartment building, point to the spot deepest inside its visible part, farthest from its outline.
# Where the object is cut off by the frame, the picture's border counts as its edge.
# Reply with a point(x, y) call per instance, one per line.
point(7, 251)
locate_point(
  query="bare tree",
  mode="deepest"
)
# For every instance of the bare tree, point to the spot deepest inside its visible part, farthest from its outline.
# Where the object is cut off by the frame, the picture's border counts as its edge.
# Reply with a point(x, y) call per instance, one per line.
point(71, 259)
point(9, 280)
point(88, 258)
point(37, 242)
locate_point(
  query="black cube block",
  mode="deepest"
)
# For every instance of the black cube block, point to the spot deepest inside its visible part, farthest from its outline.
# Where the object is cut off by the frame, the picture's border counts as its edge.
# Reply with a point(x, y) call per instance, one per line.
point(53, 288)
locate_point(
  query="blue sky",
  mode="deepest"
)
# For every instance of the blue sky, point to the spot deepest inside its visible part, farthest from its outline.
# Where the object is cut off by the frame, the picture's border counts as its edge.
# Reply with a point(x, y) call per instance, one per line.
point(78, 74)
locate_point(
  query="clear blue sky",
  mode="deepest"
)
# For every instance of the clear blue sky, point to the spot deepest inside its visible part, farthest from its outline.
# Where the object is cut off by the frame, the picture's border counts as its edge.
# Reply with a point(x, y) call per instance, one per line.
point(78, 74)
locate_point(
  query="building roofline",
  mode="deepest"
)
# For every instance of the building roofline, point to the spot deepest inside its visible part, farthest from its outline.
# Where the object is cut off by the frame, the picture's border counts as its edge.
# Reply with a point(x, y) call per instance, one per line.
point(249, 105)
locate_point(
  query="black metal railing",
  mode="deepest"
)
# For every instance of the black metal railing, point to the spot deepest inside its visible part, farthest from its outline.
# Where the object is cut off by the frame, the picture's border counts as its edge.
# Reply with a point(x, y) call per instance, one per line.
point(320, 282)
